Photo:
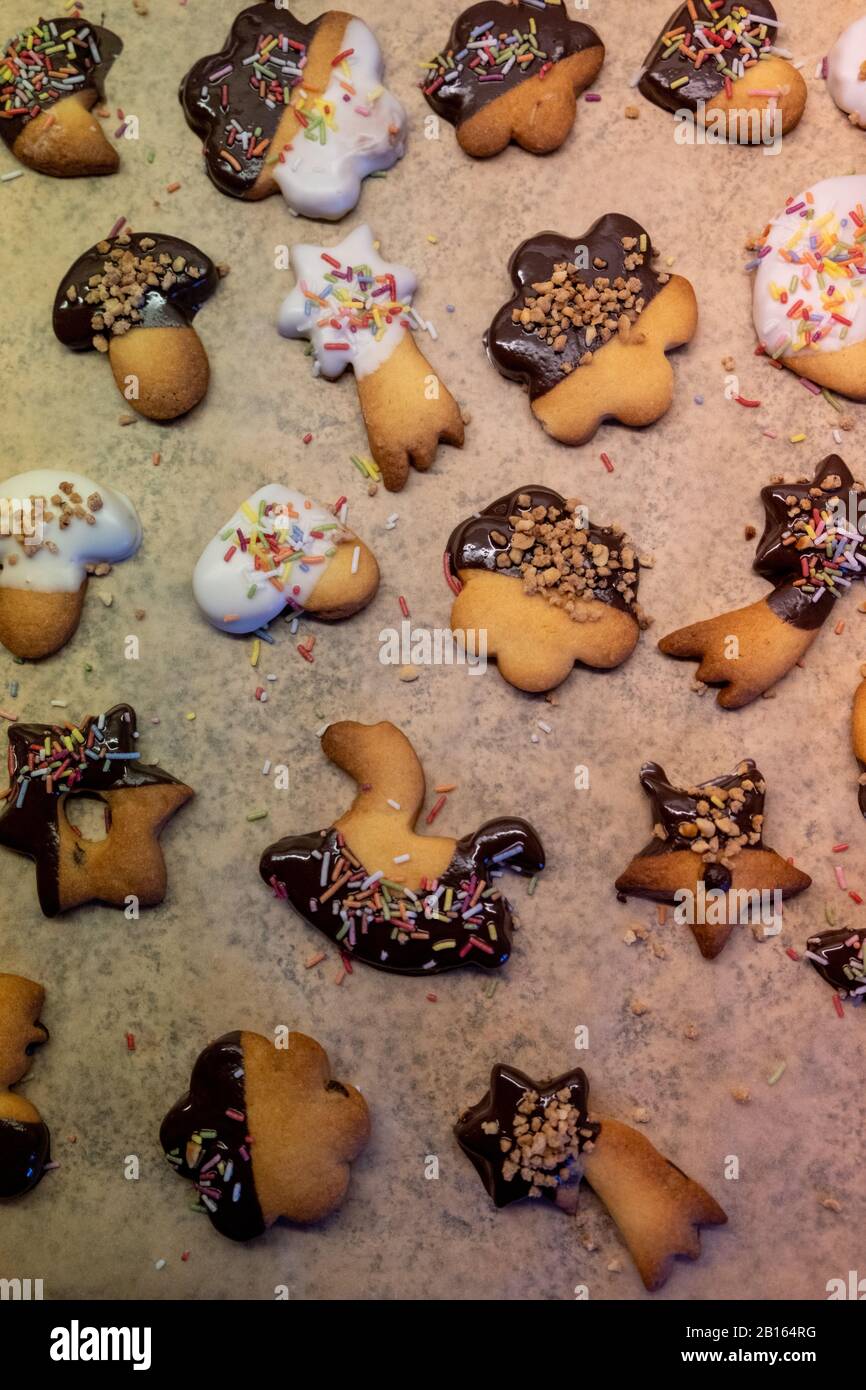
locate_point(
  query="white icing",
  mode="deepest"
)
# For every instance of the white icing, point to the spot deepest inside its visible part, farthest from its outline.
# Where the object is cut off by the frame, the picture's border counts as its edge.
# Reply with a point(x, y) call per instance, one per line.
point(59, 564)
point(366, 132)
point(232, 592)
point(828, 235)
point(300, 316)
point(843, 70)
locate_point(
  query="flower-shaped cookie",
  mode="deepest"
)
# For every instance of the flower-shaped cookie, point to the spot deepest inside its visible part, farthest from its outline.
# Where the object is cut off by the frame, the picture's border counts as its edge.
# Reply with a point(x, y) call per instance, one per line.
point(24, 1139)
point(408, 903)
point(133, 297)
point(846, 72)
point(356, 310)
point(51, 76)
point(809, 297)
point(48, 764)
point(708, 840)
point(265, 1132)
point(812, 550)
point(293, 108)
point(724, 63)
point(536, 1139)
point(546, 586)
point(588, 327)
point(513, 72)
point(56, 523)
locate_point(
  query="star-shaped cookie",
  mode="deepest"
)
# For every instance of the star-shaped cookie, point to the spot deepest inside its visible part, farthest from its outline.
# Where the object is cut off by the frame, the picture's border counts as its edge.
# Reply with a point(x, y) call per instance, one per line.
point(99, 759)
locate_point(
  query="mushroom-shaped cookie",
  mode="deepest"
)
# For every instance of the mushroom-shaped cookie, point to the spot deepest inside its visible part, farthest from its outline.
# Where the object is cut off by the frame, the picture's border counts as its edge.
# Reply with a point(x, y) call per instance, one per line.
point(50, 765)
point(811, 551)
point(51, 76)
point(846, 72)
point(809, 297)
point(281, 550)
point(293, 108)
point(588, 327)
point(24, 1137)
point(134, 296)
point(59, 523)
point(265, 1132)
point(536, 1139)
point(512, 72)
point(722, 62)
point(546, 585)
point(356, 310)
point(708, 857)
point(408, 903)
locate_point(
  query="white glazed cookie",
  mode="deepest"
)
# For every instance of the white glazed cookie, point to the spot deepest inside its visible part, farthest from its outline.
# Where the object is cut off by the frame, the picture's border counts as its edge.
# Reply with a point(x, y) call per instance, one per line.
point(282, 550)
point(809, 300)
point(355, 308)
point(846, 71)
point(295, 108)
point(54, 523)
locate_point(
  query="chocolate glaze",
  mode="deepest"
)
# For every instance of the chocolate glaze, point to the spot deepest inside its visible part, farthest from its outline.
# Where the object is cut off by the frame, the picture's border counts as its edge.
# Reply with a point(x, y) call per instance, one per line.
point(470, 545)
point(25, 1148)
point(172, 308)
point(704, 82)
point(842, 963)
point(672, 805)
point(109, 46)
point(556, 35)
point(32, 827)
point(508, 1087)
point(202, 99)
point(520, 354)
point(292, 869)
point(217, 1085)
point(780, 563)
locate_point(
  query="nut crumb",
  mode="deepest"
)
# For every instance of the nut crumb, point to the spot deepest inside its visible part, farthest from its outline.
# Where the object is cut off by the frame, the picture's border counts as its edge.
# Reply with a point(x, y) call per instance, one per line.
point(741, 1094)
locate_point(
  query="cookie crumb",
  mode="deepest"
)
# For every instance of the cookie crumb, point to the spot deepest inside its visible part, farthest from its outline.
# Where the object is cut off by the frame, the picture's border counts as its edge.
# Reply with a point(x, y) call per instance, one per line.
point(691, 1032)
point(614, 1266)
point(728, 363)
point(750, 532)
point(638, 1007)
point(409, 673)
point(830, 1203)
point(631, 113)
point(741, 1094)
point(641, 1115)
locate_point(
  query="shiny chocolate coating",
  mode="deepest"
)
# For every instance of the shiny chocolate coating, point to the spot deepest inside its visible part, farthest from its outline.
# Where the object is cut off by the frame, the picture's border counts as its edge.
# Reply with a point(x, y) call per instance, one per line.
point(841, 958)
point(218, 1163)
point(481, 1129)
point(213, 104)
point(704, 82)
point(174, 307)
point(456, 98)
point(471, 544)
point(416, 944)
point(25, 1148)
point(18, 106)
point(519, 353)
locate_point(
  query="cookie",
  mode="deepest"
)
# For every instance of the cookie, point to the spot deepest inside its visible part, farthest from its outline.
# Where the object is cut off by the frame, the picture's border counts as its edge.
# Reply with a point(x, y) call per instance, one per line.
point(588, 327)
point(356, 310)
point(98, 759)
point(54, 524)
point(298, 109)
point(281, 550)
point(52, 74)
point(133, 297)
point(724, 61)
point(809, 299)
point(512, 72)
point(710, 834)
point(846, 72)
point(839, 957)
point(25, 1144)
point(537, 1139)
point(546, 585)
point(265, 1132)
point(858, 739)
point(811, 552)
point(408, 903)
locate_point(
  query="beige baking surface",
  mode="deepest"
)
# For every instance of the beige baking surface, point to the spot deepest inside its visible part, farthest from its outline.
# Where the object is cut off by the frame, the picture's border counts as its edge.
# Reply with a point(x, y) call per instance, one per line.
point(220, 953)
